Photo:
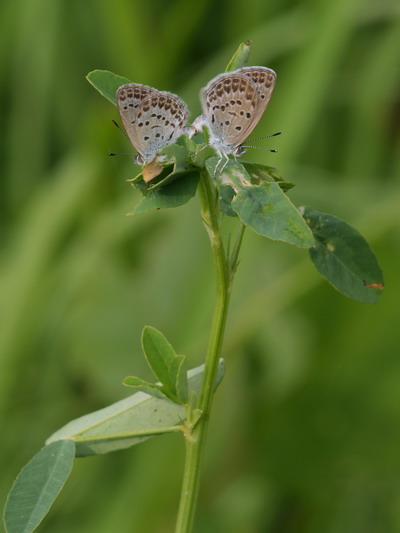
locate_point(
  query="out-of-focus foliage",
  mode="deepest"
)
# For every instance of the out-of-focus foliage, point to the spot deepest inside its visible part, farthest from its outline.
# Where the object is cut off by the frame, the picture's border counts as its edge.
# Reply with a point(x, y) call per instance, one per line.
point(305, 436)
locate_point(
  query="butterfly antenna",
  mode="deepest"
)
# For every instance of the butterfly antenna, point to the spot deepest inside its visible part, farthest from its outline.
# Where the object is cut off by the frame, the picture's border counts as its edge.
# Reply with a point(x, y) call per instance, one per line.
point(121, 130)
point(126, 137)
point(266, 136)
point(258, 148)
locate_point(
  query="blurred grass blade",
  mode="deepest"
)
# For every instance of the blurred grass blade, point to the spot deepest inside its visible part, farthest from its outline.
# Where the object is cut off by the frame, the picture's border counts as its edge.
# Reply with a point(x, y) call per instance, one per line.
point(37, 486)
point(343, 257)
point(106, 83)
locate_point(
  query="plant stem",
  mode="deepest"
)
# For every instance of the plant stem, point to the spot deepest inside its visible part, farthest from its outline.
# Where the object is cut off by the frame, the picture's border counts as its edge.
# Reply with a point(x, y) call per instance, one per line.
point(196, 439)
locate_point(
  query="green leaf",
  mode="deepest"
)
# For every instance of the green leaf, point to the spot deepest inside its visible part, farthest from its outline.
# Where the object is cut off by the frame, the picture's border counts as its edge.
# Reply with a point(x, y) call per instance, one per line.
point(343, 257)
point(106, 83)
point(163, 361)
point(129, 421)
point(226, 195)
point(267, 210)
point(178, 155)
point(174, 160)
point(240, 57)
point(37, 486)
point(264, 208)
point(144, 386)
point(181, 381)
point(261, 173)
point(172, 195)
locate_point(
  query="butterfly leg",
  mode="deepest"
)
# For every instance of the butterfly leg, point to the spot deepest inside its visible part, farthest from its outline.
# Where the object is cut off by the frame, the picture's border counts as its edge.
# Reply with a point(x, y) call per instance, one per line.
point(217, 164)
point(224, 158)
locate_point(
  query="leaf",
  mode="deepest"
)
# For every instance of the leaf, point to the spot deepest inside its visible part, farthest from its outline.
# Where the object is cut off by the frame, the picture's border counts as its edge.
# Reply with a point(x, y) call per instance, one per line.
point(144, 386)
point(262, 173)
point(129, 421)
point(106, 83)
point(163, 361)
point(240, 57)
point(172, 195)
point(267, 210)
point(181, 381)
point(37, 486)
point(226, 195)
point(343, 257)
point(178, 155)
point(172, 160)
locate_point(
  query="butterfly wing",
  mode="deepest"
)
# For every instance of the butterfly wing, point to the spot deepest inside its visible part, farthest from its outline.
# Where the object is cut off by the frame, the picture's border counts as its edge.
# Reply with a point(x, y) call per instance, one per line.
point(264, 78)
point(229, 102)
point(129, 97)
point(152, 119)
point(159, 121)
point(234, 102)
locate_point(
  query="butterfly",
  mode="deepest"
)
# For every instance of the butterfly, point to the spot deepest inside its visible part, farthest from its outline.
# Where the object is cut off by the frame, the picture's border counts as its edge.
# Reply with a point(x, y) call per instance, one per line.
point(152, 119)
point(233, 103)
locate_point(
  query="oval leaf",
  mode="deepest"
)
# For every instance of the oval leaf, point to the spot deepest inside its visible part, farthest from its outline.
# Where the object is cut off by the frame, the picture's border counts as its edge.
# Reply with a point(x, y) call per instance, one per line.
point(269, 212)
point(129, 421)
point(343, 257)
point(265, 208)
point(106, 83)
point(37, 486)
point(163, 361)
point(144, 386)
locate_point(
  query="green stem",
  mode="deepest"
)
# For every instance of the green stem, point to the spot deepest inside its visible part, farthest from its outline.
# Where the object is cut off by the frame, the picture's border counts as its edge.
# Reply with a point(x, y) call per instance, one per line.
point(196, 439)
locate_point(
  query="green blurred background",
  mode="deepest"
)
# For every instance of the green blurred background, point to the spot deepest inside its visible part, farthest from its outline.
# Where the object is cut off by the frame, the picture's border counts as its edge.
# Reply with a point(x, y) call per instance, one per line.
point(305, 435)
